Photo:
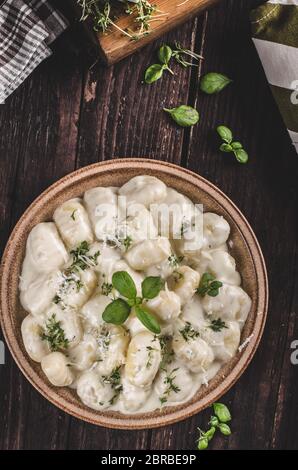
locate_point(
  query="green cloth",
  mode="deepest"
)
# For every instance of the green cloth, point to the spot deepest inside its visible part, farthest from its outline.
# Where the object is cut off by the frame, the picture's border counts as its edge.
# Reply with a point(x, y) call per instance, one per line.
point(275, 34)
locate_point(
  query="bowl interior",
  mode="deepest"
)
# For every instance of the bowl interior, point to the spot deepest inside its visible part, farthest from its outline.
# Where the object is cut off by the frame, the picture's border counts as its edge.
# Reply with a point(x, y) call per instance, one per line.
point(245, 250)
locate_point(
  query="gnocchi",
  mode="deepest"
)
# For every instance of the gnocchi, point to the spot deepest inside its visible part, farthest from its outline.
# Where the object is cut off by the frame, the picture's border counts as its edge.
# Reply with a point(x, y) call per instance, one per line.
point(143, 359)
point(154, 234)
point(56, 368)
point(73, 224)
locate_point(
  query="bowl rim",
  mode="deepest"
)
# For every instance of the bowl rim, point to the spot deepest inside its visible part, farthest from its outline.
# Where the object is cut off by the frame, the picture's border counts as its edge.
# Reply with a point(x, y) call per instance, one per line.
point(128, 422)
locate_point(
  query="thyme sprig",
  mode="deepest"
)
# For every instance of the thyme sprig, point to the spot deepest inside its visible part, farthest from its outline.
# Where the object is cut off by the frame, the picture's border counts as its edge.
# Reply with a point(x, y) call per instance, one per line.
point(114, 379)
point(103, 14)
point(171, 386)
point(82, 259)
point(54, 334)
point(188, 332)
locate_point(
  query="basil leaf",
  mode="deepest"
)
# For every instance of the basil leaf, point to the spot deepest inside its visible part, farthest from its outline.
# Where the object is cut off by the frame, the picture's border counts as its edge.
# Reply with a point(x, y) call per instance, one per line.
point(124, 284)
point(214, 83)
point(225, 429)
point(165, 54)
point(210, 433)
point(203, 443)
point(116, 312)
point(154, 73)
point(225, 133)
point(148, 320)
point(213, 421)
point(184, 115)
point(241, 155)
point(151, 287)
point(222, 412)
point(236, 145)
point(226, 148)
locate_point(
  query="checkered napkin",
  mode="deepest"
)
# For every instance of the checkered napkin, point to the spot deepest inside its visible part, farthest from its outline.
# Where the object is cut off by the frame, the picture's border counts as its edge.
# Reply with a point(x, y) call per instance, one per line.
point(27, 28)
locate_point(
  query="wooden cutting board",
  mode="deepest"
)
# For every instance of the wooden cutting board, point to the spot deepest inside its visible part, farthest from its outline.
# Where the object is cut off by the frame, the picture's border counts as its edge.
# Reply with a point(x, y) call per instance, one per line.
point(115, 46)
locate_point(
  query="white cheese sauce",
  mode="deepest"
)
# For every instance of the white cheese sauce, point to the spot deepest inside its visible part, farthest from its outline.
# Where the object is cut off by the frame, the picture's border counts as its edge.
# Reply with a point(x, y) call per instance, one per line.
point(66, 285)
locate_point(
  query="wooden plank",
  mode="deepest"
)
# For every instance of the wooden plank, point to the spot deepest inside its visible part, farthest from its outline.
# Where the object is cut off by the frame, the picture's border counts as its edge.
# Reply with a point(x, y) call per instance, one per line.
point(125, 117)
point(37, 147)
point(115, 45)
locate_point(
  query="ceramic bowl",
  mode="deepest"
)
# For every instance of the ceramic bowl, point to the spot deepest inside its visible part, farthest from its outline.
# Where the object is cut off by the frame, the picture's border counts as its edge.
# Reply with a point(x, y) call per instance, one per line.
point(245, 250)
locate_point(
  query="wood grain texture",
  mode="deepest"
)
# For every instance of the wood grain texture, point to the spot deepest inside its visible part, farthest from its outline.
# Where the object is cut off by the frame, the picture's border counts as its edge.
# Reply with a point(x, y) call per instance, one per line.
point(169, 14)
point(67, 116)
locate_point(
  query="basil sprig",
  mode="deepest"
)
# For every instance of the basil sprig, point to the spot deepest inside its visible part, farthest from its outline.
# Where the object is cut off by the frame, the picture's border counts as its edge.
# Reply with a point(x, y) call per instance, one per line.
point(165, 54)
point(155, 71)
point(214, 82)
point(229, 145)
point(219, 421)
point(184, 115)
point(118, 311)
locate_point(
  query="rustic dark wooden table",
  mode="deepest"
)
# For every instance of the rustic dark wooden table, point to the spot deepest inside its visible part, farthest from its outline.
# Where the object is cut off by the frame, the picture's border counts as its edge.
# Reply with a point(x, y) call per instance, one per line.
point(66, 116)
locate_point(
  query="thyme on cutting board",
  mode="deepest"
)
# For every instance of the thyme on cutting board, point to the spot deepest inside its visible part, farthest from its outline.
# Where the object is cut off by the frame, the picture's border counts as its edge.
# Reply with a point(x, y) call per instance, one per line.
point(103, 15)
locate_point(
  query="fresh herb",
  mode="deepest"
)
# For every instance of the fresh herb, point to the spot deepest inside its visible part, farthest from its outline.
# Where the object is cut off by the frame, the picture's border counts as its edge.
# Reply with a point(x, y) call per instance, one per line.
point(54, 334)
point(148, 320)
point(225, 429)
point(225, 133)
point(184, 115)
point(154, 73)
point(73, 214)
point(229, 145)
point(179, 55)
point(104, 339)
point(208, 285)
point(214, 83)
point(126, 242)
point(144, 11)
point(70, 281)
point(174, 260)
point(118, 310)
point(150, 350)
point(171, 386)
point(222, 412)
point(114, 379)
point(103, 14)
point(151, 287)
point(124, 284)
point(217, 325)
point(57, 299)
point(82, 259)
point(167, 353)
point(205, 437)
point(165, 54)
point(106, 288)
point(217, 422)
point(188, 332)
